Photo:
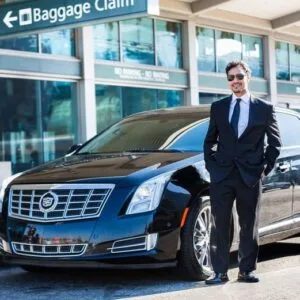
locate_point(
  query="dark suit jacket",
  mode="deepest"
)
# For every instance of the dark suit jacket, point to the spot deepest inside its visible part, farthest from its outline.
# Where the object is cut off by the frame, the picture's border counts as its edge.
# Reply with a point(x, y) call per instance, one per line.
point(223, 151)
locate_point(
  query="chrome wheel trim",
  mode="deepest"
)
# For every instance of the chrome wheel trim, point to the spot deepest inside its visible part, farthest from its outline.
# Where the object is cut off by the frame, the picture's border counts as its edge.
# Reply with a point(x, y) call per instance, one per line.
point(201, 235)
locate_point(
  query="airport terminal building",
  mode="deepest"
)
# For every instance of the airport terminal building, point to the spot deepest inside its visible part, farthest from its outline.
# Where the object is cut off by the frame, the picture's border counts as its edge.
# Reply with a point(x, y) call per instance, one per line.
point(61, 86)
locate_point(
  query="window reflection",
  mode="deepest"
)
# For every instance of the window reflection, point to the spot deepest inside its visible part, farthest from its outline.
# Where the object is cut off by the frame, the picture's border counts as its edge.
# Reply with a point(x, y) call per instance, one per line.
point(60, 42)
point(229, 47)
point(168, 44)
point(295, 62)
point(28, 139)
point(209, 98)
point(216, 48)
point(27, 43)
point(282, 61)
point(253, 54)
point(106, 41)
point(205, 48)
point(138, 41)
point(114, 103)
point(58, 116)
point(20, 139)
point(108, 106)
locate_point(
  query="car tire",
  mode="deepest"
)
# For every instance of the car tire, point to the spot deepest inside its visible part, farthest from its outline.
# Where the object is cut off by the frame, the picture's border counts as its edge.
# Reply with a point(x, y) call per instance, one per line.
point(194, 256)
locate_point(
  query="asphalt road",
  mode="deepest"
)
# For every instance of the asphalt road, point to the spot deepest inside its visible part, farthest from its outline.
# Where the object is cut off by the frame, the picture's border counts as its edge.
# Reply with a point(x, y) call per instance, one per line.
point(278, 267)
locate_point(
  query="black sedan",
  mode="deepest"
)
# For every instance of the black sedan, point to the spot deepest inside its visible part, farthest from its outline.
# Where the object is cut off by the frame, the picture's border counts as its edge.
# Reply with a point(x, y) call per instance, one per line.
point(137, 196)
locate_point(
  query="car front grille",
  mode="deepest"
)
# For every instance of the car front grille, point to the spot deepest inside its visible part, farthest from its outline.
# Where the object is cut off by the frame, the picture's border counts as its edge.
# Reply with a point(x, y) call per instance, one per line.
point(49, 250)
point(57, 202)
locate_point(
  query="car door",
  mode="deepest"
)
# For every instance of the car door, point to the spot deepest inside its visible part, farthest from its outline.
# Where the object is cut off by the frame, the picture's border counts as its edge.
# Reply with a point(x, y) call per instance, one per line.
point(278, 186)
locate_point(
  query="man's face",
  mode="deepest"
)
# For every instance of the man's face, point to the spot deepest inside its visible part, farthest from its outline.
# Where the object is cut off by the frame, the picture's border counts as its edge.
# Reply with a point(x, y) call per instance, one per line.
point(238, 81)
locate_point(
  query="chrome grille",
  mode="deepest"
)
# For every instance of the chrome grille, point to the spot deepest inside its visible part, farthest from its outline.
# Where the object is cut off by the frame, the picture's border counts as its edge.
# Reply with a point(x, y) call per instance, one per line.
point(56, 202)
point(49, 250)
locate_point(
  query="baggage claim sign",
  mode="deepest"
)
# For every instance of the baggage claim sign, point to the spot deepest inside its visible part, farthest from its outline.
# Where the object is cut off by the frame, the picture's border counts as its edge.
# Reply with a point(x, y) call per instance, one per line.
point(38, 15)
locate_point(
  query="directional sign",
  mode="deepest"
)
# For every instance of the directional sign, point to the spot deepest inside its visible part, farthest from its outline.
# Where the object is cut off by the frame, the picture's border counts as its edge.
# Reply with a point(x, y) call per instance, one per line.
point(37, 15)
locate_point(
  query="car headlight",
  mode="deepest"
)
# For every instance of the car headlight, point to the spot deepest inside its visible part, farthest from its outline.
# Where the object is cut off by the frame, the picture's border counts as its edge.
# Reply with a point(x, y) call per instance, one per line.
point(147, 196)
point(5, 184)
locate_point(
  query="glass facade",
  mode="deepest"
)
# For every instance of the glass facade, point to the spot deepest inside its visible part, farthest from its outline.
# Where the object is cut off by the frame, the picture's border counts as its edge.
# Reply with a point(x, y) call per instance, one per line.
point(168, 44)
point(138, 41)
point(141, 41)
point(209, 98)
point(206, 49)
point(216, 48)
point(229, 47)
point(253, 54)
point(60, 42)
point(37, 121)
point(27, 43)
point(282, 61)
point(107, 41)
point(114, 103)
point(295, 62)
point(287, 61)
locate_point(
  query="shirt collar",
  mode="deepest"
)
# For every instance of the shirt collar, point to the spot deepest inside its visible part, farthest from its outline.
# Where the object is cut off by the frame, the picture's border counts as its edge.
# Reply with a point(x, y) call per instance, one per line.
point(246, 98)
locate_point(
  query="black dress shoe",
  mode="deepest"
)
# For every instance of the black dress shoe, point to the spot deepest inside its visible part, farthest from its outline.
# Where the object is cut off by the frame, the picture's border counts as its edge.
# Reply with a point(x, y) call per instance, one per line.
point(217, 278)
point(247, 277)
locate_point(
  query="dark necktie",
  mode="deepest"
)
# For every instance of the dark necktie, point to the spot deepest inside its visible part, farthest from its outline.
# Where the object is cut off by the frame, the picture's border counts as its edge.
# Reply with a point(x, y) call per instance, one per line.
point(235, 117)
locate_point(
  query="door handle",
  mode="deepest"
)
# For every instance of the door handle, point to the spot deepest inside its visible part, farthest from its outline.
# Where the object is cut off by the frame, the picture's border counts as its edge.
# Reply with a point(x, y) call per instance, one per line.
point(283, 167)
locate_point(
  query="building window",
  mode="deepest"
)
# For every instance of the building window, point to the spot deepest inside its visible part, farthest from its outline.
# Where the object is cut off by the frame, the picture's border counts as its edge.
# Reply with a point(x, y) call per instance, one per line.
point(27, 43)
point(253, 54)
point(114, 103)
point(206, 57)
point(295, 62)
point(107, 41)
point(141, 41)
point(216, 48)
point(287, 61)
point(37, 121)
point(60, 42)
point(209, 98)
point(282, 61)
point(138, 41)
point(168, 44)
point(229, 47)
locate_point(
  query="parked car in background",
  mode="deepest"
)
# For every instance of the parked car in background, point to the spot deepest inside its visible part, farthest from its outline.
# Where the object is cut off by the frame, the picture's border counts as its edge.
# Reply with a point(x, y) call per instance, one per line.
point(137, 196)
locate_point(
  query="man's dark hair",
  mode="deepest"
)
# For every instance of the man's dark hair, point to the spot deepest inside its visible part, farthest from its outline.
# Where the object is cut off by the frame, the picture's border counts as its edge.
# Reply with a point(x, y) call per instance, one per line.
point(238, 63)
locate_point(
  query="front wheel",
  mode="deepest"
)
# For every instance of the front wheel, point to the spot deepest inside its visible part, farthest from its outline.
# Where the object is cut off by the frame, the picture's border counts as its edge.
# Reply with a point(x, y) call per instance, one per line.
point(194, 256)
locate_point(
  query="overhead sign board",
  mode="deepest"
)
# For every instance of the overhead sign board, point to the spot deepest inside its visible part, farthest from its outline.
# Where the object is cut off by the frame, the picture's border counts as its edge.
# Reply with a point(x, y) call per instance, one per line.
point(37, 15)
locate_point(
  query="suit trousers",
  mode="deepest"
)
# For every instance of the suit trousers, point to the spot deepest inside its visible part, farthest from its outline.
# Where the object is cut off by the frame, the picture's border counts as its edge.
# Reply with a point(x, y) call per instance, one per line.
point(222, 196)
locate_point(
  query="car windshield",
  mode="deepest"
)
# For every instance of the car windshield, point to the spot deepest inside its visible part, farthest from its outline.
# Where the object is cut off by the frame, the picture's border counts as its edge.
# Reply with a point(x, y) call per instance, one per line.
point(152, 132)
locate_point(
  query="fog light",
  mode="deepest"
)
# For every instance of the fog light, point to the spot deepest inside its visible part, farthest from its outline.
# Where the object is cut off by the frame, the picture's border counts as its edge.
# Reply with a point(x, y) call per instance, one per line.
point(151, 241)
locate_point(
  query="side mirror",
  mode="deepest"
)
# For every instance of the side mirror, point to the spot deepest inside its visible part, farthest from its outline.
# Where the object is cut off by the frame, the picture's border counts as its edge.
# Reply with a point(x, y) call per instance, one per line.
point(73, 148)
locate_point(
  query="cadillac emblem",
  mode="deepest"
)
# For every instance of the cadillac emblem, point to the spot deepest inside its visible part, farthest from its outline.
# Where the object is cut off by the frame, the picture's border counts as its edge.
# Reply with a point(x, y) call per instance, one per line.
point(48, 202)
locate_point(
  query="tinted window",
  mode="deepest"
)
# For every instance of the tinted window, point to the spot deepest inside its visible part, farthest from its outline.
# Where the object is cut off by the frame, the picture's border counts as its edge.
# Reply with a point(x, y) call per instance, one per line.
point(150, 132)
point(289, 127)
point(192, 139)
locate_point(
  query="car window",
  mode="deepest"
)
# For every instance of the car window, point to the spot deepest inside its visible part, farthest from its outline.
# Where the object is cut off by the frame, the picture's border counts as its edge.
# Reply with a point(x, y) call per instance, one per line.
point(289, 127)
point(151, 132)
point(191, 139)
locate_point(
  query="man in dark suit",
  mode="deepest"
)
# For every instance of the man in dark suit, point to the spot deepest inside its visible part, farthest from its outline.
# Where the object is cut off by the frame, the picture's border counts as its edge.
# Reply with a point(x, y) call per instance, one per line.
point(237, 161)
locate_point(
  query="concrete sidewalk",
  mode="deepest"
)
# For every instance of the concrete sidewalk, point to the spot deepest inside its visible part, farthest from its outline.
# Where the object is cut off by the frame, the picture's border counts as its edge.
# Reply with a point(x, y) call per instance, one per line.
point(278, 285)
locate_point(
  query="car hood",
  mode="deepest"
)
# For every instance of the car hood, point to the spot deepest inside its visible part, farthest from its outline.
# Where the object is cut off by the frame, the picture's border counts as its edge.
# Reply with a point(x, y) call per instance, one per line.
point(90, 168)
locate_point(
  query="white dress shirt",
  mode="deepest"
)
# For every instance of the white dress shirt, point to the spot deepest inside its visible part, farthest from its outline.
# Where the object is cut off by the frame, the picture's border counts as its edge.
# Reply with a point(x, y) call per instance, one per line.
point(244, 111)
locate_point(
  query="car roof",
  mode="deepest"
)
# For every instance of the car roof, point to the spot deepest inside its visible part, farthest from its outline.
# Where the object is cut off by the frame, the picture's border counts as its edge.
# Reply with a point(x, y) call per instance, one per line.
point(201, 108)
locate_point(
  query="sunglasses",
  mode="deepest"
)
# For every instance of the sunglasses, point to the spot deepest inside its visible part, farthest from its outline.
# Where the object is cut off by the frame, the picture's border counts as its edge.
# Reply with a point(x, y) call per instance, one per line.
point(239, 76)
